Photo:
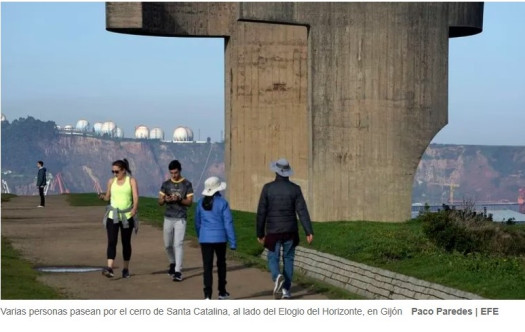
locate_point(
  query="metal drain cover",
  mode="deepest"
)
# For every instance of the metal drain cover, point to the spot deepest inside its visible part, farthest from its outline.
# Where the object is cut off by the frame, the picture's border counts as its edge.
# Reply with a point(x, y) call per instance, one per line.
point(68, 269)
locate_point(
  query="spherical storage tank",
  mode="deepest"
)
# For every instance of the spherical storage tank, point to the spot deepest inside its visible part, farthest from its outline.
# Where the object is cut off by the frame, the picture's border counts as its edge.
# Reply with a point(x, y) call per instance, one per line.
point(3, 117)
point(141, 132)
point(82, 125)
point(119, 133)
point(108, 127)
point(182, 134)
point(190, 133)
point(97, 127)
point(156, 133)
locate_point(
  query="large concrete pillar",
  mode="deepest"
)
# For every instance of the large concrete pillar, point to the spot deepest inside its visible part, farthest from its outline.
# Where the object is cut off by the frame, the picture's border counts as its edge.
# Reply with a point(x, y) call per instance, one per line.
point(350, 93)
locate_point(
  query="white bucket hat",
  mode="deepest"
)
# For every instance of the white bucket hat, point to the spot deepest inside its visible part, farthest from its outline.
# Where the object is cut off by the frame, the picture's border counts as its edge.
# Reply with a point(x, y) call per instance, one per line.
point(281, 167)
point(212, 185)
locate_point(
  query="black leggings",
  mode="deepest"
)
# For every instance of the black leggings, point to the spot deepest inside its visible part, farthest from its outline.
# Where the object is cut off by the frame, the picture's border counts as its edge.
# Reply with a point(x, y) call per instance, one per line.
point(112, 230)
point(208, 250)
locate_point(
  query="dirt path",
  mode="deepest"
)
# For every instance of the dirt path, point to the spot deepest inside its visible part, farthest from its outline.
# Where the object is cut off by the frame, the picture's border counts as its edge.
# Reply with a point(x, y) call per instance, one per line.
point(67, 236)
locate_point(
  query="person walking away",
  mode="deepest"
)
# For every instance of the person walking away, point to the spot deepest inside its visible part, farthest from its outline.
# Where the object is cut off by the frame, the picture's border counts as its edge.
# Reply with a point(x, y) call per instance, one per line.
point(121, 214)
point(177, 194)
point(214, 227)
point(280, 203)
point(41, 181)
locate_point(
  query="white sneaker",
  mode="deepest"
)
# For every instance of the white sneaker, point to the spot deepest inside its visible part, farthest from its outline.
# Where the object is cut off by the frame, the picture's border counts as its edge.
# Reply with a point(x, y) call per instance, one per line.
point(40, 206)
point(286, 294)
point(277, 289)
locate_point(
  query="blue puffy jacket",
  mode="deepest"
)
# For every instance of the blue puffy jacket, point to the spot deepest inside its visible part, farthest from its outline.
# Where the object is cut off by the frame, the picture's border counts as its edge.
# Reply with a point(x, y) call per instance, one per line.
point(216, 225)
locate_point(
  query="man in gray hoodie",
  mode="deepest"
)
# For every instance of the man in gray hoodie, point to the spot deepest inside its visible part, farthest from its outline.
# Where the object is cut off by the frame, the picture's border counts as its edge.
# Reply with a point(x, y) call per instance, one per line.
point(41, 182)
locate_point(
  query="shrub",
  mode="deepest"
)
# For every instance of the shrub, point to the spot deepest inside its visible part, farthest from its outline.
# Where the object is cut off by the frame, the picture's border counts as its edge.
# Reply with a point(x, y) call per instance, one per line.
point(466, 231)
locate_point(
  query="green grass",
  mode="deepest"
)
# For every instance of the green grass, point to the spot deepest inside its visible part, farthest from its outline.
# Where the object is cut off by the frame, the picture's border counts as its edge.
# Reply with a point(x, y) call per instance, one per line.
point(403, 248)
point(19, 279)
point(87, 199)
point(7, 197)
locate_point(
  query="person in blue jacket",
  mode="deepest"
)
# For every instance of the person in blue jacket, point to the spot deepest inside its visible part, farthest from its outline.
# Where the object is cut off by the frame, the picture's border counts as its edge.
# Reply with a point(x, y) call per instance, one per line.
point(214, 226)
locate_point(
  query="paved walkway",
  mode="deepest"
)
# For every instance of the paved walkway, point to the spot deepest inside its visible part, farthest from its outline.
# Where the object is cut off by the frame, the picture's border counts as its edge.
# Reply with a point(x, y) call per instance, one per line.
point(67, 236)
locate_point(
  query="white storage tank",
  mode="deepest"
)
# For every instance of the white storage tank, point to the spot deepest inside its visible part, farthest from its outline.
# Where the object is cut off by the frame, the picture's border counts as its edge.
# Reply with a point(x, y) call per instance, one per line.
point(82, 125)
point(97, 127)
point(68, 128)
point(156, 133)
point(141, 132)
point(108, 127)
point(190, 133)
point(119, 133)
point(3, 117)
point(182, 134)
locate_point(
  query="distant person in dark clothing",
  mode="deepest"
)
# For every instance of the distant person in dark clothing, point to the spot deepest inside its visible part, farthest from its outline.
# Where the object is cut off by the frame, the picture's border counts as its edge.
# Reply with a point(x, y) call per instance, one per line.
point(214, 226)
point(41, 181)
point(280, 203)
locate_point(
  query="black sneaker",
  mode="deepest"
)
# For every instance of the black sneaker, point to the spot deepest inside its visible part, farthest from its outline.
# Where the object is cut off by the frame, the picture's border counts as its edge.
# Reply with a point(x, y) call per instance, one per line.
point(125, 273)
point(171, 271)
point(177, 276)
point(224, 296)
point(108, 272)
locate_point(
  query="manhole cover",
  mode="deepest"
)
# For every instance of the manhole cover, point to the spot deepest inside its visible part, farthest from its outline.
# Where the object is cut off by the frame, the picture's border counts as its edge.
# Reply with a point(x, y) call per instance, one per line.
point(68, 269)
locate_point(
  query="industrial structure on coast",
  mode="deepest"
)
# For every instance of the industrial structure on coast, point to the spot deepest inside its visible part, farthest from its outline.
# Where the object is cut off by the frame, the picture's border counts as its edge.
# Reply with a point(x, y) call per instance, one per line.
point(181, 134)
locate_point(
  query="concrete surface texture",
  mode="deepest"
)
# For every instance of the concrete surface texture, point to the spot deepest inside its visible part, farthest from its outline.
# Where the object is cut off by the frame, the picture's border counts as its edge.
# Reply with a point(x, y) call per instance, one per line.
point(351, 93)
point(61, 235)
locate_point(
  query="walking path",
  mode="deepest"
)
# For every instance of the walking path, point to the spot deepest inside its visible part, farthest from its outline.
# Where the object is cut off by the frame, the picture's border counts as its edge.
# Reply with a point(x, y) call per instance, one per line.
point(67, 236)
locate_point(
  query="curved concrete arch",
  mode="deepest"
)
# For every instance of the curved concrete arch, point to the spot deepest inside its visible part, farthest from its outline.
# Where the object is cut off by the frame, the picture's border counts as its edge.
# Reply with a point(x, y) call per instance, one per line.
point(351, 93)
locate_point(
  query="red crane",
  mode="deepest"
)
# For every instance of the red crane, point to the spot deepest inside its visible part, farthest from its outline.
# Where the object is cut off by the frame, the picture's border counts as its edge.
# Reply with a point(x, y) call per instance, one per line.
point(61, 185)
point(521, 200)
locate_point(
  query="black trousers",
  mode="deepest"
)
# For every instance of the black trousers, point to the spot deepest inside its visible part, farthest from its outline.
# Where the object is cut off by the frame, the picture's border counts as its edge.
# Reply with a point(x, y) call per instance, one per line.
point(208, 250)
point(42, 197)
point(125, 236)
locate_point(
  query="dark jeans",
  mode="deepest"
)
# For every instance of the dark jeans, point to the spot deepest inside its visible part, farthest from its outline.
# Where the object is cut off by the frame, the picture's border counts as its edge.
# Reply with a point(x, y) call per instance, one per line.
point(112, 230)
point(42, 197)
point(208, 250)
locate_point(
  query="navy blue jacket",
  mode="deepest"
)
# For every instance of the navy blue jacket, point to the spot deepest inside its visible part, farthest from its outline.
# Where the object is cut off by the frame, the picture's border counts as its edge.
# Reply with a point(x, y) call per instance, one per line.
point(280, 203)
point(41, 178)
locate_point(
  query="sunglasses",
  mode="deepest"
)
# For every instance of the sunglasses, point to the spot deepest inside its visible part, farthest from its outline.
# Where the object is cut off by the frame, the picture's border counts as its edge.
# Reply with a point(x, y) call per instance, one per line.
point(115, 172)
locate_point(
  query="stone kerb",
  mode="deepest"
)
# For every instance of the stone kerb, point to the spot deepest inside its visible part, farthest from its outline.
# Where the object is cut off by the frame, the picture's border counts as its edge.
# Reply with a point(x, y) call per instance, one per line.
point(368, 281)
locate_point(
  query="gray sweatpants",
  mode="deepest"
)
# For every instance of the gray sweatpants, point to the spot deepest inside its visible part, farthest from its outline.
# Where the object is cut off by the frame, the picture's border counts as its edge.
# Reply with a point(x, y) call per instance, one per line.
point(174, 230)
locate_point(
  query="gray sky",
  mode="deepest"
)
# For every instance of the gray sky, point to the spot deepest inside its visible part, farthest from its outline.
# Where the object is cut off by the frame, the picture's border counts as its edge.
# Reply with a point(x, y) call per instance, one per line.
point(59, 63)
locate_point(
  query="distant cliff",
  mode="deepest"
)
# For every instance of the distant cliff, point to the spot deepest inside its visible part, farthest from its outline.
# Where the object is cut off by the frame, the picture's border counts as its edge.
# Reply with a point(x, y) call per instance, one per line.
point(472, 172)
point(87, 161)
point(82, 163)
